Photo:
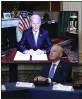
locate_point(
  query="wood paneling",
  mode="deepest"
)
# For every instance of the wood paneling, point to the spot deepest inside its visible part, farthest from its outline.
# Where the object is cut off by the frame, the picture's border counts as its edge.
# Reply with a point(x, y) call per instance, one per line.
point(30, 5)
point(55, 6)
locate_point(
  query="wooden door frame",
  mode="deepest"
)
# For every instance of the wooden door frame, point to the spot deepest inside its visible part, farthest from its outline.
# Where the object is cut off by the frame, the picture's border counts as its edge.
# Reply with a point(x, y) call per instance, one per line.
point(50, 5)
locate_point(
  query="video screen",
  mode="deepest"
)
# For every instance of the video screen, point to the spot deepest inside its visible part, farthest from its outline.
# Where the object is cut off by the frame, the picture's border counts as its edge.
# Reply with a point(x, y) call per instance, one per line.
point(55, 27)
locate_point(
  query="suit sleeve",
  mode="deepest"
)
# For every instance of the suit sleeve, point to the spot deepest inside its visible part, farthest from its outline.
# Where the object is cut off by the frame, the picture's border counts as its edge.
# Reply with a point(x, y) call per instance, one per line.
point(45, 70)
point(48, 43)
point(21, 43)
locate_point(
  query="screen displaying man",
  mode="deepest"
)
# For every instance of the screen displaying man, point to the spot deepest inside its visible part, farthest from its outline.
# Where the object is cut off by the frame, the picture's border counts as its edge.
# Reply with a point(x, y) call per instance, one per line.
point(35, 38)
point(57, 71)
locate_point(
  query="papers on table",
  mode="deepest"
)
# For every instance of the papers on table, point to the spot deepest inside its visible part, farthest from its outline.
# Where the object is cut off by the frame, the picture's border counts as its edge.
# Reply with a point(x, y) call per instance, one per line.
point(25, 57)
point(62, 87)
point(25, 84)
point(3, 87)
point(41, 57)
point(21, 57)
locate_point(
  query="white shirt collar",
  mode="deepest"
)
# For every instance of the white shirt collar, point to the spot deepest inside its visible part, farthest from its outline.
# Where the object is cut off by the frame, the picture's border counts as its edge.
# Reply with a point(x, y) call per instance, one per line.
point(36, 32)
point(56, 62)
point(56, 65)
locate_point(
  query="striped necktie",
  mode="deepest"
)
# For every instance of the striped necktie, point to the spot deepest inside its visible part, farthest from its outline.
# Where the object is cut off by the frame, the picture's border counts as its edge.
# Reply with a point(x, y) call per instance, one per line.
point(51, 72)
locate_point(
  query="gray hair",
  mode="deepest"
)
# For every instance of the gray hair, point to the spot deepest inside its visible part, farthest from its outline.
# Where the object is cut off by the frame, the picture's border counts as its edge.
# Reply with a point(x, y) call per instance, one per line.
point(34, 16)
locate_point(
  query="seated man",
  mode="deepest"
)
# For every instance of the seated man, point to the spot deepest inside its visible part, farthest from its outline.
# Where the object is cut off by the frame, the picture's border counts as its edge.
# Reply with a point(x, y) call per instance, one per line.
point(57, 71)
point(35, 38)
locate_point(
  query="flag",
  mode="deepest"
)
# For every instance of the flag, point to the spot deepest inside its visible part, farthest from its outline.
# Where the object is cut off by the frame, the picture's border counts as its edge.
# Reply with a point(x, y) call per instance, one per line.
point(24, 23)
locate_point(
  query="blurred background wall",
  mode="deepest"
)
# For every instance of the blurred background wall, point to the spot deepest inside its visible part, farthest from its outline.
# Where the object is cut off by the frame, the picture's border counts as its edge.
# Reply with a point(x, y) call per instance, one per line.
point(76, 6)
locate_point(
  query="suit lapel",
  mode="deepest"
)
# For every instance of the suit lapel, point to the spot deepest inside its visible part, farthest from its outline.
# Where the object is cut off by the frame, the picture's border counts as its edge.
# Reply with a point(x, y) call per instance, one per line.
point(32, 39)
point(58, 69)
point(39, 40)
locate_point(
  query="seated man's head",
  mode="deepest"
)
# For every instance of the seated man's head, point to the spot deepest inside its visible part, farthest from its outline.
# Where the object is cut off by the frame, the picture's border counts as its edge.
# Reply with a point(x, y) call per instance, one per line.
point(35, 21)
point(56, 53)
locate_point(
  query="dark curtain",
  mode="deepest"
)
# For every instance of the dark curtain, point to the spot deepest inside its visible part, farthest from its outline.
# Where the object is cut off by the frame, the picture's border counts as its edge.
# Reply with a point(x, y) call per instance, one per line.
point(63, 21)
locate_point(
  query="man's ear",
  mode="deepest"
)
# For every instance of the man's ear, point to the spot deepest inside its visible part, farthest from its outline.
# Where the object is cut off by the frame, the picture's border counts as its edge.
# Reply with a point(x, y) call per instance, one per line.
point(61, 54)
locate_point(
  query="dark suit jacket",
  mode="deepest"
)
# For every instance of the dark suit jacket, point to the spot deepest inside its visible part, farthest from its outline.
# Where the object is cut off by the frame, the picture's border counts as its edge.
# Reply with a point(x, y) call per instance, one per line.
point(62, 73)
point(28, 42)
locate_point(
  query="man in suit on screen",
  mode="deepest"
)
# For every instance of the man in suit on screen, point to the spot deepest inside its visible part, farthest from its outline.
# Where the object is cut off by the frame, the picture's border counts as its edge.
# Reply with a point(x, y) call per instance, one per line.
point(35, 38)
point(57, 71)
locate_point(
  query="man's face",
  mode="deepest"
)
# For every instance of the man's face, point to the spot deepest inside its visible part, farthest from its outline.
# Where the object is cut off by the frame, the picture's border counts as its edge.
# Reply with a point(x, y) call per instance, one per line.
point(55, 53)
point(35, 23)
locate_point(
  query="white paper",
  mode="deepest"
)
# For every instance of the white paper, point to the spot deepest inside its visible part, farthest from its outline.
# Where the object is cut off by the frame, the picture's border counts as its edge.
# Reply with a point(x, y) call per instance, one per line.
point(37, 52)
point(25, 84)
point(3, 87)
point(21, 57)
point(62, 87)
point(41, 57)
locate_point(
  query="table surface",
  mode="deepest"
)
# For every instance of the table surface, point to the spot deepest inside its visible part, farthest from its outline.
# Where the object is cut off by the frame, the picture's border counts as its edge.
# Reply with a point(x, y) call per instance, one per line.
point(9, 58)
point(44, 92)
